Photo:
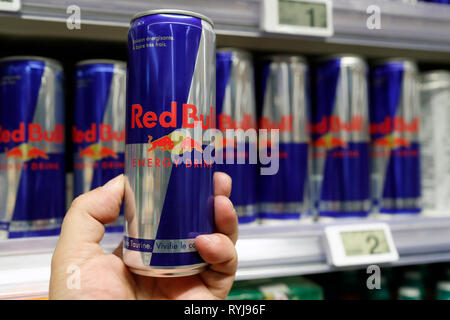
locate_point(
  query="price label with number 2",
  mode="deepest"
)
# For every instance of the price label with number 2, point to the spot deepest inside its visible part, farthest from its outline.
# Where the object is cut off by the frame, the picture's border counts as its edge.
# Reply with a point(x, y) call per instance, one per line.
point(360, 244)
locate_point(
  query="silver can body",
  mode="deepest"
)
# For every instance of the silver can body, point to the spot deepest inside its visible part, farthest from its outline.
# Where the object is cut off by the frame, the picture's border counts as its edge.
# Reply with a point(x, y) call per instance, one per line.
point(32, 147)
point(98, 133)
point(394, 128)
point(340, 131)
point(283, 102)
point(170, 97)
point(435, 142)
point(235, 103)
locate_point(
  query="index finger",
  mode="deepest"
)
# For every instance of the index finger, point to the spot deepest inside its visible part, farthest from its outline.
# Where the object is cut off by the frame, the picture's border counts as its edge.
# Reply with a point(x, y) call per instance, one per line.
point(85, 220)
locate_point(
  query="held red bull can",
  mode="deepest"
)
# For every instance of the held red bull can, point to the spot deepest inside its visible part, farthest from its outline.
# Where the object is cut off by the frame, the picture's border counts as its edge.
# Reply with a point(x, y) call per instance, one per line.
point(170, 97)
point(98, 132)
point(394, 128)
point(434, 142)
point(340, 131)
point(283, 104)
point(32, 158)
point(235, 103)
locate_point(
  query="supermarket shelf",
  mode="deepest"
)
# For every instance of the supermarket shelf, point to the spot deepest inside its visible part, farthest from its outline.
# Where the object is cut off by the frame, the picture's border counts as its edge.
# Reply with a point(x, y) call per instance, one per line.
point(292, 250)
point(264, 251)
point(419, 30)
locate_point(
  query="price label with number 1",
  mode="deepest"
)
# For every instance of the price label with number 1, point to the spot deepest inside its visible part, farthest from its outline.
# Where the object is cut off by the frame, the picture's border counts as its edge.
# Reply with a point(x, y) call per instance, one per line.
point(360, 244)
point(301, 17)
point(10, 5)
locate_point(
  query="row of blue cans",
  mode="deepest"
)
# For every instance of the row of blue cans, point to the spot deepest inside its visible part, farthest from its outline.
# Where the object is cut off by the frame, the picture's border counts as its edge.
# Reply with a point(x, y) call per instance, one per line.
point(347, 146)
point(33, 171)
point(336, 156)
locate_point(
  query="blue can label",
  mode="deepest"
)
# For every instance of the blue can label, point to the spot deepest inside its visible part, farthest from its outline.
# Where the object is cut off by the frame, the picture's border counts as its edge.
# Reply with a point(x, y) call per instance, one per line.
point(395, 139)
point(170, 92)
point(284, 106)
point(236, 111)
point(340, 132)
point(32, 160)
point(98, 133)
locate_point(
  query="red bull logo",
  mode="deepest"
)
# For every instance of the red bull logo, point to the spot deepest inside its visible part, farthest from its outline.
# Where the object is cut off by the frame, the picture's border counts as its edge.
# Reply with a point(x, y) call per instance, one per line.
point(329, 141)
point(390, 128)
point(97, 151)
point(32, 132)
point(168, 119)
point(398, 146)
point(102, 132)
point(181, 145)
point(227, 122)
point(335, 124)
point(395, 124)
point(329, 129)
point(285, 123)
point(164, 143)
point(390, 142)
point(26, 152)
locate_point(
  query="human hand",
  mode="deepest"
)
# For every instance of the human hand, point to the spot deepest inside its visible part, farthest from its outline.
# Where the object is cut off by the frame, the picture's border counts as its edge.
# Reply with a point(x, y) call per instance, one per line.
point(105, 276)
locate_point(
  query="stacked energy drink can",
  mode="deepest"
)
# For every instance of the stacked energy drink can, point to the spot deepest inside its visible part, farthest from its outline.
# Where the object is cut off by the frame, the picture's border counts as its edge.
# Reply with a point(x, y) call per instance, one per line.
point(340, 133)
point(435, 142)
point(32, 158)
point(170, 101)
point(98, 133)
point(235, 103)
point(394, 127)
point(283, 104)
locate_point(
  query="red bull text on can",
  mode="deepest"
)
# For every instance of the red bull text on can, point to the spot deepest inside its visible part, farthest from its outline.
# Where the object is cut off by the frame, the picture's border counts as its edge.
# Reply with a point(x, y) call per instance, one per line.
point(434, 141)
point(32, 158)
point(170, 94)
point(340, 131)
point(394, 127)
point(235, 105)
point(98, 133)
point(283, 104)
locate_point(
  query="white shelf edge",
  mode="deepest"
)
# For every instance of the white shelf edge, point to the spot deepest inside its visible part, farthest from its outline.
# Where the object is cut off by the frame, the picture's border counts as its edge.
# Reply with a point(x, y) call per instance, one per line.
point(264, 251)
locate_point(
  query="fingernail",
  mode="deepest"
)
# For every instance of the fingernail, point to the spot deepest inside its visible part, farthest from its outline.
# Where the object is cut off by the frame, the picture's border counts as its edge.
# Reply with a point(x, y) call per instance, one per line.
point(111, 183)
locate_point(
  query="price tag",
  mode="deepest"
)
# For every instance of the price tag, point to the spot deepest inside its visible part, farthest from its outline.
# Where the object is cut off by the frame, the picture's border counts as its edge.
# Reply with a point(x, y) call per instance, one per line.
point(360, 244)
point(10, 5)
point(302, 17)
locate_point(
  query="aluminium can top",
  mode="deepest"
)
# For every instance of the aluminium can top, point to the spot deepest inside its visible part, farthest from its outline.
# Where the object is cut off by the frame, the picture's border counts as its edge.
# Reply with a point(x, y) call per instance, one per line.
point(436, 79)
point(120, 64)
point(173, 11)
point(346, 58)
point(48, 61)
point(235, 51)
point(290, 58)
point(408, 64)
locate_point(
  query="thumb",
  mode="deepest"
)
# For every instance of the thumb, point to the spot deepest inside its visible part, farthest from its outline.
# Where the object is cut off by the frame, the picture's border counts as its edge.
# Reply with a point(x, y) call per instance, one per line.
point(85, 220)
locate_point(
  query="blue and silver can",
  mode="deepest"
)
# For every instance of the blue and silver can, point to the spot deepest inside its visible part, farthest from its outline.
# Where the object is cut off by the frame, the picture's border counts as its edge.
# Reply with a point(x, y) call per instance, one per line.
point(434, 142)
point(340, 131)
point(170, 97)
point(394, 127)
point(283, 105)
point(32, 157)
point(98, 132)
point(235, 105)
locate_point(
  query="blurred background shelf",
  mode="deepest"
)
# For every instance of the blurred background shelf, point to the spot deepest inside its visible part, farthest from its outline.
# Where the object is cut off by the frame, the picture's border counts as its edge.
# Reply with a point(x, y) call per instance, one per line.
point(417, 30)
point(414, 30)
point(264, 251)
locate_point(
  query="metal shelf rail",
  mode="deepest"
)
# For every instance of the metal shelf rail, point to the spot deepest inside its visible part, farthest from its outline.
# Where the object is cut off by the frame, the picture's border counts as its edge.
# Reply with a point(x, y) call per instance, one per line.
point(410, 26)
point(264, 251)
